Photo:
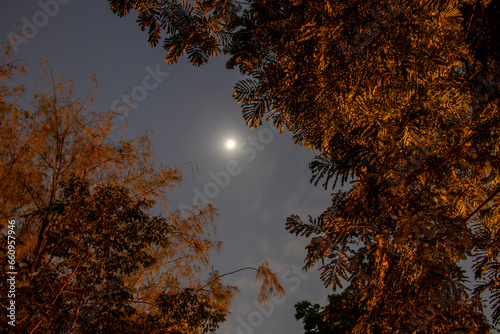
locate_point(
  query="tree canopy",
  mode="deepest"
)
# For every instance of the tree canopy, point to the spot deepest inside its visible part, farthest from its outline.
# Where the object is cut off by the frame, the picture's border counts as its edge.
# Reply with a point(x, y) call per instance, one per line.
point(401, 100)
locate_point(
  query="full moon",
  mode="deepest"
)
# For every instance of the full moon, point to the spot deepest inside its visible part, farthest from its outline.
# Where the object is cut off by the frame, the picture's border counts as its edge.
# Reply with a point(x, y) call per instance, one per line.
point(230, 144)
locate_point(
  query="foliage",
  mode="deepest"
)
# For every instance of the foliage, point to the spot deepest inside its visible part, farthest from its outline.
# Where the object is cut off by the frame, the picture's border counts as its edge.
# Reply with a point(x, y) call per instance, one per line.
point(199, 29)
point(97, 248)
point(338, 317)
point(400, 98)
point(100, 243)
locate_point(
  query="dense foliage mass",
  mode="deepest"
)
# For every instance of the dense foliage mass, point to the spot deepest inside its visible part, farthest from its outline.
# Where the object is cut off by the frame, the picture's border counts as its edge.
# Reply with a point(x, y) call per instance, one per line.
point(401, 100)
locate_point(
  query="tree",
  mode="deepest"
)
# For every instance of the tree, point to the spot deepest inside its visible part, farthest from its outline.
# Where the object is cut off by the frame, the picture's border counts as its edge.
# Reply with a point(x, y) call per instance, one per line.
point(338, 317)
point(97, 250)
point(104, 243)
point(400, 98)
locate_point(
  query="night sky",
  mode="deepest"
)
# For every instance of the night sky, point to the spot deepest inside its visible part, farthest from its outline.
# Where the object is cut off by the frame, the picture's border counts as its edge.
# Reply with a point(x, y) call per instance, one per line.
point(191, 113)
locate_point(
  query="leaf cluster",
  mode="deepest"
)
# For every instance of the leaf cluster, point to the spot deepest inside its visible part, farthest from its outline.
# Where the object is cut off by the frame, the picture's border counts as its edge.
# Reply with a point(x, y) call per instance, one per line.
point(200, 28)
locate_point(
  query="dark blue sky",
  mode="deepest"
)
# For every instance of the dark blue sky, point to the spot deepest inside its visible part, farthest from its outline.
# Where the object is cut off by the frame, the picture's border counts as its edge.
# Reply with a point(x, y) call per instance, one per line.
point(191, 114)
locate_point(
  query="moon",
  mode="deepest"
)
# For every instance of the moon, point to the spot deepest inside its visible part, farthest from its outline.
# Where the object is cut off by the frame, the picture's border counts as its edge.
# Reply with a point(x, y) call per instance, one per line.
point(230, 144)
